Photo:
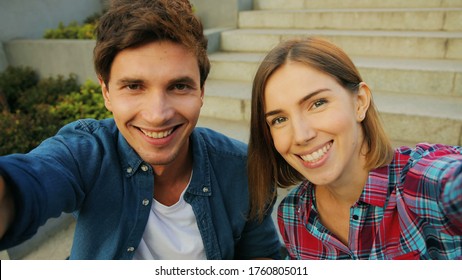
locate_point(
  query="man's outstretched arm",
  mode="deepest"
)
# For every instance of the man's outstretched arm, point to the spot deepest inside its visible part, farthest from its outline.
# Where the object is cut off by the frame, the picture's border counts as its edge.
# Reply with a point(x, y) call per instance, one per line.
point(6, 207)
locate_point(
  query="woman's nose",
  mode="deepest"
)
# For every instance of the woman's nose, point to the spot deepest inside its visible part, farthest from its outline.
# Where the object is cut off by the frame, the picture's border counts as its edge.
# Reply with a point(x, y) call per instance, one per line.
point(303, 130)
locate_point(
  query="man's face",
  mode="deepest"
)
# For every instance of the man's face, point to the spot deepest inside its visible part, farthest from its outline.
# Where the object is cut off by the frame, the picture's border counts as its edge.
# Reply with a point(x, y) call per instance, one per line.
point(155, 96)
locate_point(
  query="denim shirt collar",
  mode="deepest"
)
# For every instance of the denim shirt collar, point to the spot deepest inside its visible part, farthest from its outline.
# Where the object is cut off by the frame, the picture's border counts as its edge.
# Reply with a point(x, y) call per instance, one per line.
point(129, 159)
point(200, 182)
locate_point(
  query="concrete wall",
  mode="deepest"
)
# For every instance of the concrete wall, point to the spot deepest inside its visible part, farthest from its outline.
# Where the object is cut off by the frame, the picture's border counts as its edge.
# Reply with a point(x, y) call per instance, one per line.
point(31, 18)
point(50, 58)
point(53, 57)
point(62, 57)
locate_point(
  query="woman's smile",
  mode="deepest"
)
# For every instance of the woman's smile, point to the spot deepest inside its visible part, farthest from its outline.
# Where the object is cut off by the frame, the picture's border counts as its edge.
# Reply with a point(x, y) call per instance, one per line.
point(316, 155)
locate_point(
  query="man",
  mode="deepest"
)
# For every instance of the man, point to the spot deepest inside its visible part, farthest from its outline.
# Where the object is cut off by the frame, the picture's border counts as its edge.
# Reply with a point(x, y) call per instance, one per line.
point(146, 184)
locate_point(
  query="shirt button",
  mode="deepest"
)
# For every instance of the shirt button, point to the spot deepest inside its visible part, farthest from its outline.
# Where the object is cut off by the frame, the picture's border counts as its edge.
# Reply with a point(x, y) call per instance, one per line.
point(129, 170)
point(205, 189)
point(145, 202)
point(355, 217)
point(130, 249)
point(144, 168)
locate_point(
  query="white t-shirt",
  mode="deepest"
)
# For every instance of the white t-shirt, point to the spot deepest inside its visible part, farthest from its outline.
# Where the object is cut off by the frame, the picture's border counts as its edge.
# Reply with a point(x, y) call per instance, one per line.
point(171, 233)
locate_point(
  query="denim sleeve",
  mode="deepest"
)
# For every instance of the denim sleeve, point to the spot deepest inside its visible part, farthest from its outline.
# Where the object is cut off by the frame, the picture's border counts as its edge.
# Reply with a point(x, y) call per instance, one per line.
point(46, 182)
point(259, 240)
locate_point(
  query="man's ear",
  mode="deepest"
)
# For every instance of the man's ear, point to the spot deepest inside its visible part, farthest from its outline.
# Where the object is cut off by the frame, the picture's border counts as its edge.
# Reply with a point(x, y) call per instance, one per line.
point(105, 92)
point(202, 94)
point(363, 100)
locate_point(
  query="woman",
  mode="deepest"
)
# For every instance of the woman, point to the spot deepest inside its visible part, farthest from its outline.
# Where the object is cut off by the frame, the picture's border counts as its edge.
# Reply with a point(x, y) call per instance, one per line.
point(314, 124)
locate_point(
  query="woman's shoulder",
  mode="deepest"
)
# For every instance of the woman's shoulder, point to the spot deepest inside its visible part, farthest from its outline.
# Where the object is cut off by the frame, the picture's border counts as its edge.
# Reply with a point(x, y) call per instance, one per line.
point(427, 166)
point(426, 155)
point(296, 193)
point(427, 150)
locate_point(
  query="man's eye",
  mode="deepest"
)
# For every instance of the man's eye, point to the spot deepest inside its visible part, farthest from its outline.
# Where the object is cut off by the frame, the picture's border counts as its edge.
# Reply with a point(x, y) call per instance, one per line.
point(133, 86)
point(181, 86)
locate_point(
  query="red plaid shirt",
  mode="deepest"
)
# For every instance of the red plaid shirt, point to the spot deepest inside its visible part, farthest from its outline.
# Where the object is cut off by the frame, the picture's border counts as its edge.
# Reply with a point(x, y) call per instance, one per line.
point(410, 209)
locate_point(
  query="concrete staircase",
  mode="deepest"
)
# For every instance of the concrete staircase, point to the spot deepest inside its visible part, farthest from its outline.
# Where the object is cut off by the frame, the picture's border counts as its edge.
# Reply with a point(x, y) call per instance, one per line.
point(409, 52)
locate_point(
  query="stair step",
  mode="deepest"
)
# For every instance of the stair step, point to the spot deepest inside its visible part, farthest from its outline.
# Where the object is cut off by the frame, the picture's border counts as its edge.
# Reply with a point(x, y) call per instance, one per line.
point(436, 19)
point(326, 4)
point(234, 66)
point(235, 129)
point(53, 241)
point(414, 76)
point(228, 100)
point(407, 118)
point(439, 45)
point(417, 119)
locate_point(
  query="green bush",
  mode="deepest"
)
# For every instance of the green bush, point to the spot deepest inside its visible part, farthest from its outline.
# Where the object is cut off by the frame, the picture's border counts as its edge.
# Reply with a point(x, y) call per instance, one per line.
point(47, 91)
point(86, 103)
point(74, 30)
point(71, 31)
point(14, 81)
point(42, 109)
point(13, 138)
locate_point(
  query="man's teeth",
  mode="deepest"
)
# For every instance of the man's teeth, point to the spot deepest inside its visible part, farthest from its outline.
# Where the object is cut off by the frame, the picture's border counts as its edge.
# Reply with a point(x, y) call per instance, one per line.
point(315, 156)
point(157, 135)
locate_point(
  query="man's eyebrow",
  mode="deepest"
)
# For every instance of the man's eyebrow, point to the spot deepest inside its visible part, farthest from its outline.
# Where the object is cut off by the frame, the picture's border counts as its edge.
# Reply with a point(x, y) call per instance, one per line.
point(305, 98)
point(125, 81)
point(183, 79)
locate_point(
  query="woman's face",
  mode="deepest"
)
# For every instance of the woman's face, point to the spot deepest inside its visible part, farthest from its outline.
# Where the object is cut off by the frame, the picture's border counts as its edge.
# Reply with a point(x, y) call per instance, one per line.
point(315, 123)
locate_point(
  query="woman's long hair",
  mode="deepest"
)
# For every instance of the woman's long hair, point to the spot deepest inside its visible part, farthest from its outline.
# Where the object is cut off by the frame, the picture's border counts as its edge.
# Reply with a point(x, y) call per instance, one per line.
point(267, 169)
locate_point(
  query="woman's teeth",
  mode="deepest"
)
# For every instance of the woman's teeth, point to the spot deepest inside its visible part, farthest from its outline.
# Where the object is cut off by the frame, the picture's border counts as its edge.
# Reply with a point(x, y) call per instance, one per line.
point(315, 156)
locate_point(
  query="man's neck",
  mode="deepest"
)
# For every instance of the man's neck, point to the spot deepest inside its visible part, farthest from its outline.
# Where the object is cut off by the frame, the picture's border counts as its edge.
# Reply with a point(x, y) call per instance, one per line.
point(171, 180)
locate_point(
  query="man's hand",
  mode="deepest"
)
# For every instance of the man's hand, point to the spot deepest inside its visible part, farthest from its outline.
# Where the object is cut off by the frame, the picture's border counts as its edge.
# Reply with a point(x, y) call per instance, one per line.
point(6, 207)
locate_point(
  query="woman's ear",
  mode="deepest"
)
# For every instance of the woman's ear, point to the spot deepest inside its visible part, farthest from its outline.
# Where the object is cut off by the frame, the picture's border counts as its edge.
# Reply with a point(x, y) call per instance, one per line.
point(105, 92)
point(363, 100)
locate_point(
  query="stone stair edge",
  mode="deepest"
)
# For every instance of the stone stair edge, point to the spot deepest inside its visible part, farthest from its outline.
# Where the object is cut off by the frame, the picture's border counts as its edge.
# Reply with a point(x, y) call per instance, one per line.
point(416, 19)
point(431, 45)
point(298, 4)
point(359, 10)
point(340, 32)
point(360, 61)
point(447, 107)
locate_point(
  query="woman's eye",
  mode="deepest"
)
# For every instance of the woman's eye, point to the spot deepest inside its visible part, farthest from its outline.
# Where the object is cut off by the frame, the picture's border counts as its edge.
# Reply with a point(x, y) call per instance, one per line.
point(277, 120)
point(319, 103)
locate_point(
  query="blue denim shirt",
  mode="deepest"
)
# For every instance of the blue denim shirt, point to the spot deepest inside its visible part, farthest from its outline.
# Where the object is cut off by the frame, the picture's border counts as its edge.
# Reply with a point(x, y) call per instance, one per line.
point(89, 168)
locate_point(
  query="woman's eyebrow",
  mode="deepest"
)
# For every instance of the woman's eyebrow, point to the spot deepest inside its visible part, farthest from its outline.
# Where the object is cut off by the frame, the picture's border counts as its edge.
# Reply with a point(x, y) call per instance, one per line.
point(311, 95)
point(305, 98)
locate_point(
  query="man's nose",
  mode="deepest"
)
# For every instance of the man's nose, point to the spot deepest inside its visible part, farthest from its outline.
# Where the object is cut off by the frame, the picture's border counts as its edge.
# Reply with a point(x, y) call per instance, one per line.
point(157, 108)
